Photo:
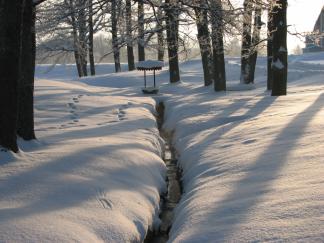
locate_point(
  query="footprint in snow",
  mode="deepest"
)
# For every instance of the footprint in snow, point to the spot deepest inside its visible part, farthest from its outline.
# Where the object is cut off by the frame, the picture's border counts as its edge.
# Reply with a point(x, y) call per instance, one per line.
point(72, 105)
point(121, 115)
point(249, 141)
point(125, 106)
point(107, 204)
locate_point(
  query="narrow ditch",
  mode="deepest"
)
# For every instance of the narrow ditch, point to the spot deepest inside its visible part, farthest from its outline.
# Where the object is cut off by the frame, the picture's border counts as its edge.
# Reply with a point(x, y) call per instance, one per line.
point(171, 198)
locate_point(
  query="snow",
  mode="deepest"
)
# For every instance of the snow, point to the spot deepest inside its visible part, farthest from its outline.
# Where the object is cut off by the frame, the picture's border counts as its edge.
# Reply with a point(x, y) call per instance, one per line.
point(252, 164)
point(150, 64)
point(252, 168)
point(94, 174)
point(278, 64)
point(282, 49)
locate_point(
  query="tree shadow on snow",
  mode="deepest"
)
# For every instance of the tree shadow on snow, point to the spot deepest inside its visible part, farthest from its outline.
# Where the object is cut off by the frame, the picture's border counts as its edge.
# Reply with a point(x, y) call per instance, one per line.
point(231, 212)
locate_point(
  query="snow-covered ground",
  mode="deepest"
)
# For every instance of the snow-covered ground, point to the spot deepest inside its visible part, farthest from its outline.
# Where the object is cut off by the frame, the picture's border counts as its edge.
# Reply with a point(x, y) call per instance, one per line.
point(252, 164)
point(94, 174)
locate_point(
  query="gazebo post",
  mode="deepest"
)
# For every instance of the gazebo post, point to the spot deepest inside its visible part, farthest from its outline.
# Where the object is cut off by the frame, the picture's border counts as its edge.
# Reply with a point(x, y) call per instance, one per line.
point(154, 76)
point(145, 78)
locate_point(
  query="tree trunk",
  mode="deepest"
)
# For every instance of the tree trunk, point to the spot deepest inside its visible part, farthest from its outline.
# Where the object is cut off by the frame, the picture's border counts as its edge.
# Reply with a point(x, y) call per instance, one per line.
point(172, 25)
point(90, 23)
point(279, 63)
point(114, 34)
point(10, 46)
point(141, 37)
point(255, 41)
point(129, 36)
point(76, 43)
point(246, 42)
point(160, 35)
point(269, 48)
point(204, 40)
point(82, 22)
point(218, 45)
point(25, 121)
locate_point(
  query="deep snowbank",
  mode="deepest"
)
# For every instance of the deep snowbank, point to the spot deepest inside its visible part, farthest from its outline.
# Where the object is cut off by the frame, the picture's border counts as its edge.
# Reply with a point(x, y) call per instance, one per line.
point(94, 175)
point(252, 164)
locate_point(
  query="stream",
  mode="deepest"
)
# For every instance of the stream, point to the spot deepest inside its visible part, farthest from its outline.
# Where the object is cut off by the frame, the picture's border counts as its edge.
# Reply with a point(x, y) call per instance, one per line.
point(173, 179)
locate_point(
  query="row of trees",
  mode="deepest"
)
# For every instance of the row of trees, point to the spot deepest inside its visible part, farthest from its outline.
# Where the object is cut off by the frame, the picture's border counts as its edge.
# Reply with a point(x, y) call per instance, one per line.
point(276, 43)
point(69, 26)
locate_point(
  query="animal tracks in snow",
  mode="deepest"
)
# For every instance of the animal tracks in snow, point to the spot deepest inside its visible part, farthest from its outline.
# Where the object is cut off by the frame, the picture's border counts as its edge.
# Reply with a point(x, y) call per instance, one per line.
point(121, 114)
point(107, 204)
point(73, 110)
point(118, 113)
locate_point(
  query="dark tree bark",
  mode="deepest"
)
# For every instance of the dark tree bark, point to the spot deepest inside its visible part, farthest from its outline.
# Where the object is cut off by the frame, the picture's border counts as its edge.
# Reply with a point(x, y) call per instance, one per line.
point(25, 121)
point(129, 36)
point(204, 40)
point(279, 63)
point(172, 26)
point(246, 41)
point(216, 13)
point(90, 23)
point(114, 34)
point(76, 44)
point(141, 37)
point(269, 48)
point(160, 35)
point(10, 46)
point(255, 41)
point(82, 24)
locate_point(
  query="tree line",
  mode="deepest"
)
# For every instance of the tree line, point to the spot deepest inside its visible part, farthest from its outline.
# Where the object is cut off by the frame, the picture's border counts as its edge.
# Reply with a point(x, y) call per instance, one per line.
point(69, 26)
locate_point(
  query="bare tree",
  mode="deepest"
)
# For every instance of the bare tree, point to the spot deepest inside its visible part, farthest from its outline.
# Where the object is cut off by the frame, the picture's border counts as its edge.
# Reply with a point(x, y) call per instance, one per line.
point(141, 29)
point(11, 13)
point(76, 42)
point(270, 30)
point(160, 35)
point(90, 24)
point(114, 34)
point(25, 115)
point(279, 62)
point(201, 13)
point(257, 24)
point(172, 27)
point(246, 41)
point(219, 75)
point(82, 26)
point(129, 36)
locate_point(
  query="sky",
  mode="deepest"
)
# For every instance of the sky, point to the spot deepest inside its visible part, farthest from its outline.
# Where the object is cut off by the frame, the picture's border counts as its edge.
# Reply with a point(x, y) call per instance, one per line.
point(302, 15)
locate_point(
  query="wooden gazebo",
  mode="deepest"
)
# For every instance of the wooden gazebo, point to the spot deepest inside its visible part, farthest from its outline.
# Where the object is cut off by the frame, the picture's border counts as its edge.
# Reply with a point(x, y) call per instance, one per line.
point(150, 65)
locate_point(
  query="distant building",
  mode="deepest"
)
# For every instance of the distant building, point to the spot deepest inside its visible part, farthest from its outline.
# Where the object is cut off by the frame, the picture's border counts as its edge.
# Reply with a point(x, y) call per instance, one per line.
point(315, 42)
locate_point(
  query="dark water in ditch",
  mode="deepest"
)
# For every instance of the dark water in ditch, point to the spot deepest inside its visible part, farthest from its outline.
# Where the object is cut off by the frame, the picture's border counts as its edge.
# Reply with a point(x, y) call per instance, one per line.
point(173, 195)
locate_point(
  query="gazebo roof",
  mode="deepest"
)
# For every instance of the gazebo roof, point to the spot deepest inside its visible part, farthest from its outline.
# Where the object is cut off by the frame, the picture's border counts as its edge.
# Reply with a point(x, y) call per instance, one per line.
point(150, 65)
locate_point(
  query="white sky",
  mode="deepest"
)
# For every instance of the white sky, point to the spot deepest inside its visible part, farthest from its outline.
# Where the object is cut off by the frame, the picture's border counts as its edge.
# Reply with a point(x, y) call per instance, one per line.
point(302, 15)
